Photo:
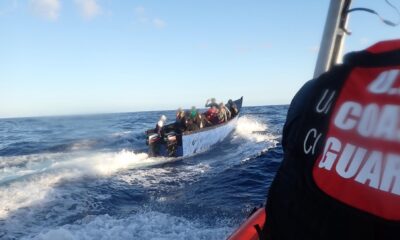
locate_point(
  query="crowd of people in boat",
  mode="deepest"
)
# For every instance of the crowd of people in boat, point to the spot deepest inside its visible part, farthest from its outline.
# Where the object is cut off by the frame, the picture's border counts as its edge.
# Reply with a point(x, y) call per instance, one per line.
point(193, 119)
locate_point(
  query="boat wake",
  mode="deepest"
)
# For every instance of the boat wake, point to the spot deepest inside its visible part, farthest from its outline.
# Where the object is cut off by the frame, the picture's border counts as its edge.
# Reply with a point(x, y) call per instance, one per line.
point(30, 179)
point(254, 130)
point(144, 225)
point(258, 138)
point(82, 192)
point(72, 188)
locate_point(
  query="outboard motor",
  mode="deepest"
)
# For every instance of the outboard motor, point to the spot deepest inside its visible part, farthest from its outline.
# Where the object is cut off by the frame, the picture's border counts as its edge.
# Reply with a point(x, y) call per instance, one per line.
point(172, 143)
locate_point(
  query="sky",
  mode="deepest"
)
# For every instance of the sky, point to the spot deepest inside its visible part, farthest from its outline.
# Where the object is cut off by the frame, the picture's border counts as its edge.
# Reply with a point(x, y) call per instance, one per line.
point(60, 57)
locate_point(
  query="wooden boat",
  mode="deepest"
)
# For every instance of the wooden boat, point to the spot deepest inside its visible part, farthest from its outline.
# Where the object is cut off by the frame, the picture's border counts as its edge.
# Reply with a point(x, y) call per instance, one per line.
point(188, 143)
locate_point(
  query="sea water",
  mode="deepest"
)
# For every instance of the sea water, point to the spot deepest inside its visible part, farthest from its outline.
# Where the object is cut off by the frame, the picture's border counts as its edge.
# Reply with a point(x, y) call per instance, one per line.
point(89, 177)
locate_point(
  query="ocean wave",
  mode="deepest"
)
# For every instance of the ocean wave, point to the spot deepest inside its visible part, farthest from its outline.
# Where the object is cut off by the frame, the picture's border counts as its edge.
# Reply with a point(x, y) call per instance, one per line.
point(30, 191)
point(33, 182)
point(254, 130)
point(259, 138)
point(146, 225)
point(95, 181)
point(152, 177)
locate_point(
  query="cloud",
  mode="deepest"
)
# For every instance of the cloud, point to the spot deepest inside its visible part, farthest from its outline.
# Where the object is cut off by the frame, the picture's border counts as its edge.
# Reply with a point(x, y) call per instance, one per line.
point(88, 8)
point(140, 10)
point(158, 23)
point(49, 9)
point(143, 17)
point(140, 14)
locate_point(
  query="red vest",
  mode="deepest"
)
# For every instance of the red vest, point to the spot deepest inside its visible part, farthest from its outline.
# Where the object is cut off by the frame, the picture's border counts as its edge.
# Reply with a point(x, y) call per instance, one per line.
point(340, 177)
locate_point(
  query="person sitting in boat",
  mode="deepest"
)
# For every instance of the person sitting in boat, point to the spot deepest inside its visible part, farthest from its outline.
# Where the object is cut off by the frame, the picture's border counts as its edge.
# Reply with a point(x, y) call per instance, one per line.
point(180, 121)
point(160, 125)
point(212, 115)
point(191, 125)
point(231, 105)
point(204, 120)
point(196, 117)
point(178, 113)
point(193, 112)
point(211, 103)
point(228, 112)
point(199, 120)
point(222, 114)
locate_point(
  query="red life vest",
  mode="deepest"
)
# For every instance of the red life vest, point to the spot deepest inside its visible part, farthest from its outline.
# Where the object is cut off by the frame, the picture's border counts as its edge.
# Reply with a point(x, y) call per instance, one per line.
point(360, 162)
point(212, 114)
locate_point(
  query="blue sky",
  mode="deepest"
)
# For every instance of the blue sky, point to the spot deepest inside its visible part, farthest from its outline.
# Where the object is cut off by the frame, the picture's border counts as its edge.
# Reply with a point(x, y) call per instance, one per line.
point(93, 56)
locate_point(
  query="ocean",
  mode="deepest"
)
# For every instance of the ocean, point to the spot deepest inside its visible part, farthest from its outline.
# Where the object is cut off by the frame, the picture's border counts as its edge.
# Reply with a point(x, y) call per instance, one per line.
point(89, 177)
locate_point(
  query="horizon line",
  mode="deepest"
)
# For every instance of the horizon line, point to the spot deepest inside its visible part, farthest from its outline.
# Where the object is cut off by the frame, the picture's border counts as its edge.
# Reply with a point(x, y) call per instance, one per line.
point(106, 113)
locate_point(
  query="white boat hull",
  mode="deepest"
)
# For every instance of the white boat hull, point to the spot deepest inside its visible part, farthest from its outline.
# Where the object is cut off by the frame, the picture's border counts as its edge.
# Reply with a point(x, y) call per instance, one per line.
point(193, 143)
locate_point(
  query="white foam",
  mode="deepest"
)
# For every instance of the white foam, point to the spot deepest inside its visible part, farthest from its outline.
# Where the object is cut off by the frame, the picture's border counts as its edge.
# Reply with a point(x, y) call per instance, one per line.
point(29, 191)
point(257, 135)
point(153, 176)
point(19, 166)
point(247, 126)
point(34, 180)
point(122, 134)
point(108, 163)
point(147, 225)
point(89, 163)
point(83, 145)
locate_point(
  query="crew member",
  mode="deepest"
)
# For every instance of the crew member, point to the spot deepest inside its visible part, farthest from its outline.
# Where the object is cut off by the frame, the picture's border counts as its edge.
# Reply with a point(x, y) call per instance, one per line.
point(340, 176)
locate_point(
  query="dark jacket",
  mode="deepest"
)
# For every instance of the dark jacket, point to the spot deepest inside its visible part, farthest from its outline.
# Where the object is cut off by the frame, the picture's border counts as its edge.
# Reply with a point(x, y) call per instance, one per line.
point(180, 124)
point(315, 195)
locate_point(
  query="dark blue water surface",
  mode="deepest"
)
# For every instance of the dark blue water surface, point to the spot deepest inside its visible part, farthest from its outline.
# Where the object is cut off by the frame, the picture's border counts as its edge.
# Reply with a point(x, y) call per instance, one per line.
point(89, 177)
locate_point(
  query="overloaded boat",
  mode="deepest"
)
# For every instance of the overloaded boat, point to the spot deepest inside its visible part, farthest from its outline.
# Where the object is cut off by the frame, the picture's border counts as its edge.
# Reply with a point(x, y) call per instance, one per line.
point(174, 143)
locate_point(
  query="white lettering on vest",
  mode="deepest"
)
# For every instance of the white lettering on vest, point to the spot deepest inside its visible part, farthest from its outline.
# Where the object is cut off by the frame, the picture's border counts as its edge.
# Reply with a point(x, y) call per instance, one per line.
point(325, 102)
point(388, 123)
point(347, 115)
point(384, 82)
point(331, 150)
point(350, 162)
point(371, 171)
point(391, 175)
point(311, 147)
point(368, 121)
